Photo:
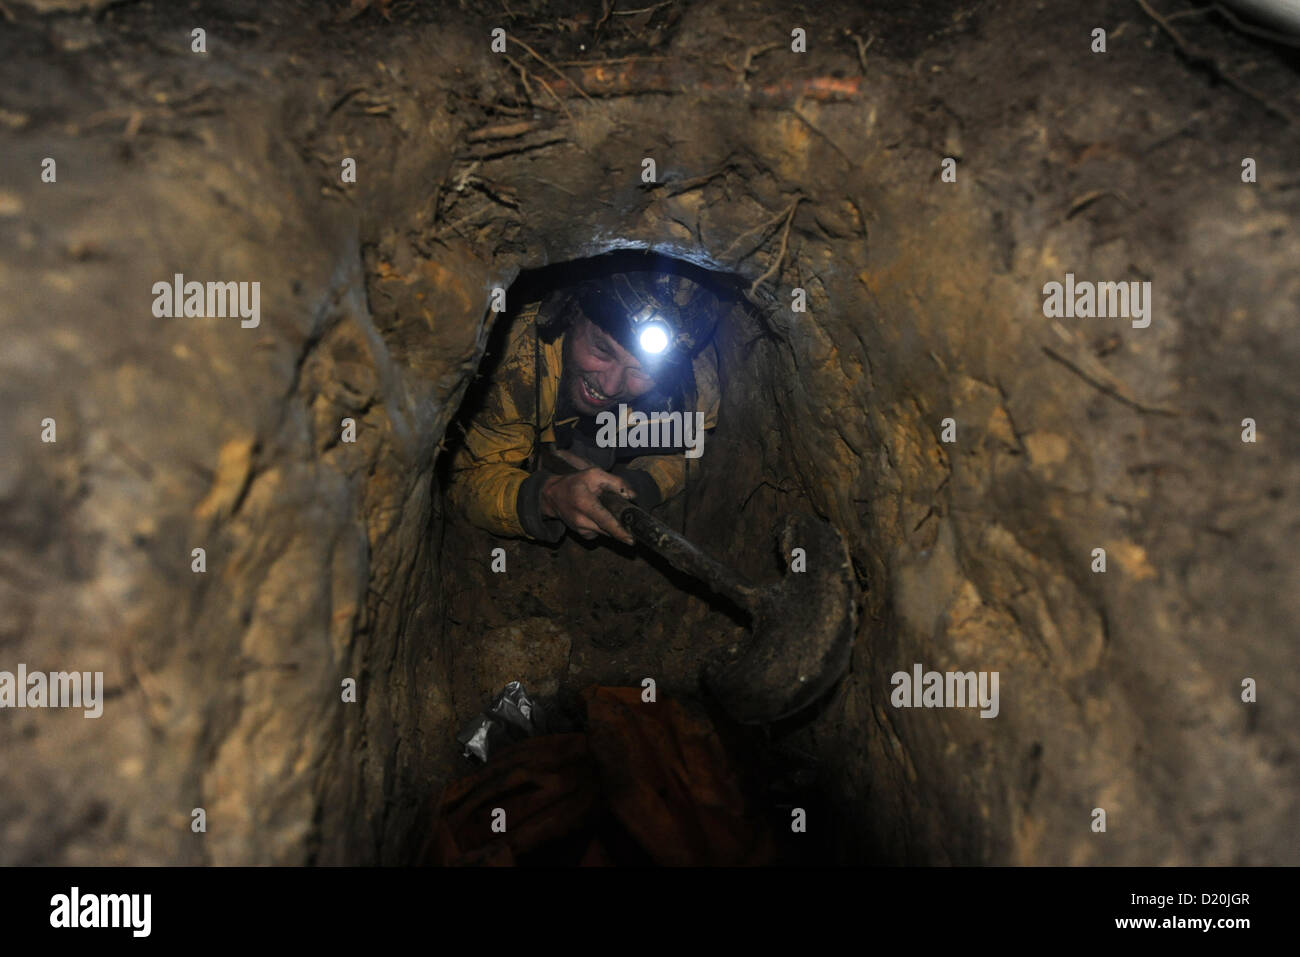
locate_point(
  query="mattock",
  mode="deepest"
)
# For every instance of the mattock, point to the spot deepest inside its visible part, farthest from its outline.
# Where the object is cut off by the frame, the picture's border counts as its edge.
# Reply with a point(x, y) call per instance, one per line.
point(801, 628)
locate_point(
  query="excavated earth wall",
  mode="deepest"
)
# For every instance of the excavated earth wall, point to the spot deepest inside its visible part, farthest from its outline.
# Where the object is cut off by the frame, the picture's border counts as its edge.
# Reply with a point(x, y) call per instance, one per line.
point(822, 171)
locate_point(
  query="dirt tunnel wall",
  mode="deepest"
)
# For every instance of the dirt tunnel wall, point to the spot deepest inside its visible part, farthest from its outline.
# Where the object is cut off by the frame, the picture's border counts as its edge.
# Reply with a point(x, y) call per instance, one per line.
point(1119, 690)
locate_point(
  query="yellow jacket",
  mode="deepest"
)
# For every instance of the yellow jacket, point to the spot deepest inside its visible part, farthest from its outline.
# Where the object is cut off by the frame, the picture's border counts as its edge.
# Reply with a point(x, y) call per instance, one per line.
point(488, 472)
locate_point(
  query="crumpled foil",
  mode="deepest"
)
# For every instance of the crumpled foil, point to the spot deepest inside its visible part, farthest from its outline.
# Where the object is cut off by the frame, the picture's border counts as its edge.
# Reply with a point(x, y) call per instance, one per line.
point(512, 716)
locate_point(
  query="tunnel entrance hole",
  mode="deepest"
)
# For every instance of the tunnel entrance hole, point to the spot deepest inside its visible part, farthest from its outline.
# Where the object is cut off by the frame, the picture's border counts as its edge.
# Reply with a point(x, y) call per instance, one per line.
point(562, 617)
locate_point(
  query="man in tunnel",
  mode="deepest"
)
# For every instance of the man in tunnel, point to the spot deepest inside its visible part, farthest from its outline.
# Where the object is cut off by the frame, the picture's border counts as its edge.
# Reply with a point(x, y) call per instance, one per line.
point(537, 456)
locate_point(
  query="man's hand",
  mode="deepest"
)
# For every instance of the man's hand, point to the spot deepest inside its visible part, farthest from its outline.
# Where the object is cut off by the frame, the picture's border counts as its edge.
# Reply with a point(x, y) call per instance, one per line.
point(575, 500)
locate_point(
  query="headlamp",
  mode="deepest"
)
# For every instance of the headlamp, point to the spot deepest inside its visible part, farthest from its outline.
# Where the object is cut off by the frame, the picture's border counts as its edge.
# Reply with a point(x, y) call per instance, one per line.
point(652, 332)
point(644, 319)
point(653, 337)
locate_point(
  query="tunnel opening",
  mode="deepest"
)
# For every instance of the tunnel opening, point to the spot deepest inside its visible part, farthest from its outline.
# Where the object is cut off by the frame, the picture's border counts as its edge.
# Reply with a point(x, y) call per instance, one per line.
point(563, 616)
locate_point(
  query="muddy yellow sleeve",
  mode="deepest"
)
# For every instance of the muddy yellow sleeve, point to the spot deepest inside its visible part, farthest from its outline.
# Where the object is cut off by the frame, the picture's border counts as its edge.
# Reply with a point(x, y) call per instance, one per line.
point(669, 471)
point(488, 471)
point(486, 476)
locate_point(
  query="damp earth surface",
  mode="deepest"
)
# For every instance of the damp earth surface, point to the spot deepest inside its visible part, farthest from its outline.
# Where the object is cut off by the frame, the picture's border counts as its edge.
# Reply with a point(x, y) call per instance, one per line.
point(329, 560)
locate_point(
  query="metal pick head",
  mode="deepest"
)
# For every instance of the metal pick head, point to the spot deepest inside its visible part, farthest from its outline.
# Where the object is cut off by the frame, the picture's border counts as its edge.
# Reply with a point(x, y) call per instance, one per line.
point(802, 631)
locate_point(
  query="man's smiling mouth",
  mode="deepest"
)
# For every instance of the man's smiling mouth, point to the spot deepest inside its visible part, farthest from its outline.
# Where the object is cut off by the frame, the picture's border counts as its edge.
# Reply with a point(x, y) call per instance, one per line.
point(589, 392)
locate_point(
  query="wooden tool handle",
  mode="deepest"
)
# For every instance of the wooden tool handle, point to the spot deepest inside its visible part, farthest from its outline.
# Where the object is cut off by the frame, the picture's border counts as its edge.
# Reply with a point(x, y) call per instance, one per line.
point(678, 552)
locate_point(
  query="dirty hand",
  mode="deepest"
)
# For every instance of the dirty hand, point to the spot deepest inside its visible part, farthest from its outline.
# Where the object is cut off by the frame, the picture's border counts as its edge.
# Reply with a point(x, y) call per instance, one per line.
point(575, 500)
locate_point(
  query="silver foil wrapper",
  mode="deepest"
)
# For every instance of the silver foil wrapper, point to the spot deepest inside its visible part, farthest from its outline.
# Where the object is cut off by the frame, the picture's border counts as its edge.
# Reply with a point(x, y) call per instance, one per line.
point(512, 716)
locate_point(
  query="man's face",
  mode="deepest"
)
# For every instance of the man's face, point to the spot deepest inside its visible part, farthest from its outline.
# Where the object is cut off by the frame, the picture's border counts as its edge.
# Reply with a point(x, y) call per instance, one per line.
point(601, 373)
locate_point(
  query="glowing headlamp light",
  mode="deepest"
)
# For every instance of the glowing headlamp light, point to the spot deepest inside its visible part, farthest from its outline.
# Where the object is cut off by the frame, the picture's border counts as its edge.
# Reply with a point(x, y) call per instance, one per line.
point(653, 335)
point(653, 338)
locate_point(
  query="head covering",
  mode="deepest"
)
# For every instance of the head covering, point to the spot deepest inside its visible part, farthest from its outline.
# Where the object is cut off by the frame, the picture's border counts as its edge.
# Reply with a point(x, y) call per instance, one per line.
point(661, 318)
